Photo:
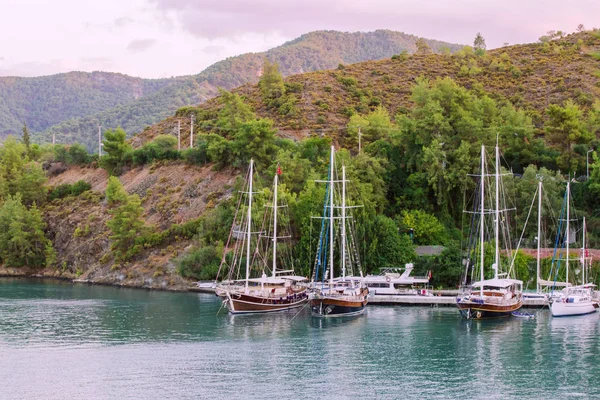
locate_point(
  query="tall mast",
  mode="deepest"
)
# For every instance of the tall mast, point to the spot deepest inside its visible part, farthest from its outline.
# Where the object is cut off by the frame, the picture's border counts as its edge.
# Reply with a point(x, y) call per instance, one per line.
point(539, 238)
point(275, 221)
point(482, 214)
point(497, 222)
point(331, 217)
point(343, 221)
point(583, 255)
point(568, 217)
point(249, 224)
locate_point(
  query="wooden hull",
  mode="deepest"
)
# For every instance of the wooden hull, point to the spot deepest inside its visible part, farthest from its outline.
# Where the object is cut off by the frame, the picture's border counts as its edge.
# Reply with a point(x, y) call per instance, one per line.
point(238, 303)
point(338, 306)
point(474, 310)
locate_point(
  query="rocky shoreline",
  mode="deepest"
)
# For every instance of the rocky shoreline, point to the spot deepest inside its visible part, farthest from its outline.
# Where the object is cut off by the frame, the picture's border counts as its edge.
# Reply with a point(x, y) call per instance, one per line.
point(147, 283)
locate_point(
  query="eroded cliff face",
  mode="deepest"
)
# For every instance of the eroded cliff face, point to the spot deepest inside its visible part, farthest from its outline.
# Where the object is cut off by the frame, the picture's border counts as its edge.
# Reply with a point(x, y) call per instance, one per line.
point(171, 193)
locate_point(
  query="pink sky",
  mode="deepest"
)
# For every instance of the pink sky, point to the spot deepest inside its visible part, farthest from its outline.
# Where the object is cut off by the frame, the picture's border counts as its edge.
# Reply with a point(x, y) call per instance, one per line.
point(161, 38)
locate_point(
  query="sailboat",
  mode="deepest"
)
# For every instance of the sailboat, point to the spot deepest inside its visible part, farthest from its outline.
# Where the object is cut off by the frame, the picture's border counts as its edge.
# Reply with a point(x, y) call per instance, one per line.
point(345, 295)
point(280, 291)
point(501, 295)
point(573, 300)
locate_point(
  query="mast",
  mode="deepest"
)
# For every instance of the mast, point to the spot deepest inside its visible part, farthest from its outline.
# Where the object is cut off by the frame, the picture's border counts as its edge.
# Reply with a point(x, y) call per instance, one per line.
point(583, 260)
point(331, 217)
point(567, 236)
point(539, 236)
point(343, 222)
point(482, 215)
point(275, 221)
point(249, 223)
point(497, 222)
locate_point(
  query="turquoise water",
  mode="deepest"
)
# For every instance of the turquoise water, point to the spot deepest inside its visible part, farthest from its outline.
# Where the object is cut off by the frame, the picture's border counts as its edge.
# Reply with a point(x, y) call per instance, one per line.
point(63, 341)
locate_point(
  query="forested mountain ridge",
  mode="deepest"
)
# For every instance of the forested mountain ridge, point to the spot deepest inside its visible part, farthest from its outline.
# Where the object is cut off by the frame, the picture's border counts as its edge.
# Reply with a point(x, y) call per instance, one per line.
point(529, 76)
point(47, 100)
point(73, 105)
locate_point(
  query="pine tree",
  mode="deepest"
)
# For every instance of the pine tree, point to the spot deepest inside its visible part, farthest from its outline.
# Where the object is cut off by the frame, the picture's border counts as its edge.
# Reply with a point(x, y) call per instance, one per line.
point(22, 238)
point(271, 82)
point(26, 140)
point(423, 47)
point(479, 44)
point(126, 222)
point(116, 149)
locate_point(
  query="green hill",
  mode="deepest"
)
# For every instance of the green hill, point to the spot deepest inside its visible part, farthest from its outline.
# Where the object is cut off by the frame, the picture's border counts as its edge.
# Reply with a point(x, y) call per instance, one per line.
point(72, 105)
point(529, 76)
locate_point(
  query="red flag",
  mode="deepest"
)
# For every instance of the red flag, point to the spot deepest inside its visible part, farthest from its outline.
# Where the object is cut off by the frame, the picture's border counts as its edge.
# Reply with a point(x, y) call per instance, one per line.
point(278, 170)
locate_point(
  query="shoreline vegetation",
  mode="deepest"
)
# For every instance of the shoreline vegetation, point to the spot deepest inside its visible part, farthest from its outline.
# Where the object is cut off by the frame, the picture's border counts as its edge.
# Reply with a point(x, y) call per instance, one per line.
point(151, 212)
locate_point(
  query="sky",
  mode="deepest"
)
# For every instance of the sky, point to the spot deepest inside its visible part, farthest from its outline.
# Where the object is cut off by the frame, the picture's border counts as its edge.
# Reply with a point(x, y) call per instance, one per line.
point(164, 38)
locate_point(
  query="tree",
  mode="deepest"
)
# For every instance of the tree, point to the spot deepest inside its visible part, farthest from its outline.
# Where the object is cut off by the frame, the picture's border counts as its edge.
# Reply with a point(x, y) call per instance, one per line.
point(116, 149)
point(271, 82)
point(22, 239)
point(255, 139)
point(479, 44)
point(19, 175)
point(426, 227)
point(126, 223)
point(422, 46)
point(26, 139)
point(234, 112)
point(565, 128)
point(387, 248)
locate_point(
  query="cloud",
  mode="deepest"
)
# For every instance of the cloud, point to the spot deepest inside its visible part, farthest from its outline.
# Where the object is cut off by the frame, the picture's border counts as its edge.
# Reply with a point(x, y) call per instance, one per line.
point(123, 21)
point(441, 19)
point(212, 49)
point(140, 45)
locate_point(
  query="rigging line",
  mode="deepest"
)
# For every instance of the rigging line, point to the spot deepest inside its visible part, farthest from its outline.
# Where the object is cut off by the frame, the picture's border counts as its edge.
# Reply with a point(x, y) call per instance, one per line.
point(512, 263)
point(229, 236)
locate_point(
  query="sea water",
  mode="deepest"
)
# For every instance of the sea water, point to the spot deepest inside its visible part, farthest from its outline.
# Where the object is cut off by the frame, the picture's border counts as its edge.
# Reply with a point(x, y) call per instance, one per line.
point(64, 341)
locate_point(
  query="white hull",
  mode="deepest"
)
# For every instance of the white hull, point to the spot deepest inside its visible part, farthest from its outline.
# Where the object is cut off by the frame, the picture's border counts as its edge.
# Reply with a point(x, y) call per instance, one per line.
point(560, 309)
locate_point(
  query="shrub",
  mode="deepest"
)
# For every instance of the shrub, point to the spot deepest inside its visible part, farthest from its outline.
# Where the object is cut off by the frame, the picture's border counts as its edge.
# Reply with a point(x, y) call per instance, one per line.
point(202, 263)
point(69, 190)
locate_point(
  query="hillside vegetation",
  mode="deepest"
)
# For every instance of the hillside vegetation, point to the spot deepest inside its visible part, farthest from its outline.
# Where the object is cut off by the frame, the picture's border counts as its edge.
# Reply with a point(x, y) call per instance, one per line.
point(73, 105)
point(530, 77)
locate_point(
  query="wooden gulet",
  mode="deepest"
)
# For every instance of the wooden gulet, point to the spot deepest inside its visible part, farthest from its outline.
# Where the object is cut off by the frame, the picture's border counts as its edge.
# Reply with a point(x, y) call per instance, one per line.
point(267, 294)
point(347, 295)
point(496, 297)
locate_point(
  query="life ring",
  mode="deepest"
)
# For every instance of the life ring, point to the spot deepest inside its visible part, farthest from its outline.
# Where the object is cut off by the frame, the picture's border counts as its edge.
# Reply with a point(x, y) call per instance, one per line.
point(478, 314)
point(388, 279)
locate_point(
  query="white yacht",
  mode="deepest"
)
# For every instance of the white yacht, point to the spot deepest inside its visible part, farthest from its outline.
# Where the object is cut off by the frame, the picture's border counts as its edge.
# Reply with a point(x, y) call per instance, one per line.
point(398, 282)
point(574, 300)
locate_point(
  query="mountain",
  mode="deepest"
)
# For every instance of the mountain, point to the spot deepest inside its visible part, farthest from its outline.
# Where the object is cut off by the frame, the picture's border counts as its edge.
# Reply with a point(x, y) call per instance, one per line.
point(530, 76)
point(44, 101)
point(72, 105)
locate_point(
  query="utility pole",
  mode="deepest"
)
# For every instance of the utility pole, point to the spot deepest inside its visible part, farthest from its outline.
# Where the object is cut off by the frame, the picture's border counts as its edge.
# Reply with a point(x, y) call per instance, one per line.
point(99, 140)
point(178, 135)
point(53, 139)
point(192, 131)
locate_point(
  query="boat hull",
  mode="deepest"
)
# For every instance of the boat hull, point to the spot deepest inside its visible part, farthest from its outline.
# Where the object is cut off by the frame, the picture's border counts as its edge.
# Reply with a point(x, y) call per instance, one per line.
point(561, 309)
point(338, 306)
point(474, 310)
point(238, 303)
